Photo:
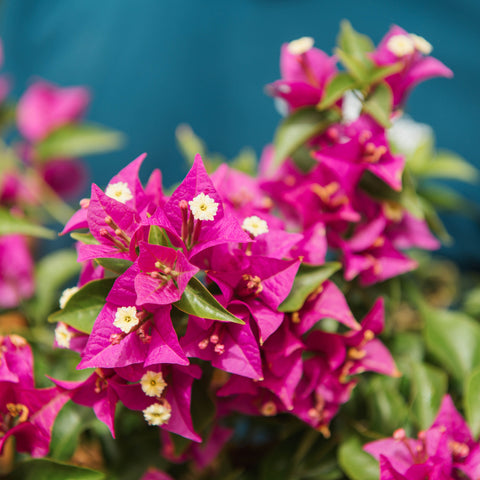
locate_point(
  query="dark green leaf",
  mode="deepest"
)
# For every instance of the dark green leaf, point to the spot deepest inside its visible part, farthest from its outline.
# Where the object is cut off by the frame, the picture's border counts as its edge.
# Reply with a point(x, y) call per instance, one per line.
point(472, 403)
point(379, 104)
point(197, 300)
point(356, 463)
point(86, 238)
point(303, 159)
point(11, 224)
point(43, 469)
point(77, 140)
point(335, 89)
point(83, 308)
point(115, 265)
point(299, 127)
point(51, 274)
point(429, 385)
point(453, 339)
point(307, 280)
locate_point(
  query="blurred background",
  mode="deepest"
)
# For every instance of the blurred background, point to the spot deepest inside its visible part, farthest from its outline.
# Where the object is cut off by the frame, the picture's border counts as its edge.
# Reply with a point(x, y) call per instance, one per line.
point(154, 64)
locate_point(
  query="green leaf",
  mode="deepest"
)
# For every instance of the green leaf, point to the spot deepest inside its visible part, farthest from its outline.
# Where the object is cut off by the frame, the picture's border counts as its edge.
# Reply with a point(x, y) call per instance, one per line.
point(449, 165)
point(379, 104)
point(471, 402)
point(335, 89)
point(197, 300)
point(78, 140)
point(115, 265)
point(352, 42)
point(358, 68)
point(158, 236)
point(299, 127)
point(43, 469)
point(428, 386)
point(378, 73)
point(83, 308)
point(51, 273)
point(189, 143)
point(86, 238)
point(245, 161)
point(356, 463)
point(307, 280)
point(453, 339)
point(11, 225)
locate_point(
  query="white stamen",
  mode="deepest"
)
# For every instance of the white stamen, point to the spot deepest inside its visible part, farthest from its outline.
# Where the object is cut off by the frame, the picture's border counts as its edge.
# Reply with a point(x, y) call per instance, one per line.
point(255, 225)
point(67, 294)
point(119, 191)
point(401, 45)
point(63, 335)
point(300, 46)
point(203, 207)
point(153, 383)
point(158, 413)
point(126, 318)
point(422, 45)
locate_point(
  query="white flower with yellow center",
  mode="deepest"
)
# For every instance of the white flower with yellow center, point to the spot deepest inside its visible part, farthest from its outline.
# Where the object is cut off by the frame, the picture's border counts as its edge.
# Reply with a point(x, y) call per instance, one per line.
point(422, 45)
point(300, 46)
point(119, 191)
point(203, 207)
point(153, 383)
point(401, 45)
point(158, 413)
point(126, 318)
point(255, 225)
point(67, 294)
point(63, 335)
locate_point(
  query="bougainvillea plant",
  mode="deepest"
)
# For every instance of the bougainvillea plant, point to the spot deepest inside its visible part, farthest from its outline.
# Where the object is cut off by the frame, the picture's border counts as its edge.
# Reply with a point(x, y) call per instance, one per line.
point(255, 322)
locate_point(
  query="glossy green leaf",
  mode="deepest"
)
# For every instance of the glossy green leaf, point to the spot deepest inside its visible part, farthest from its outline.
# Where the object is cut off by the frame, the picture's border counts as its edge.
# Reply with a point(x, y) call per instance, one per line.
point(115, 265)
point(43, 469)
point(357, 464)
point(83, 308)
point(299, 127)
point(307, 280)
point(78, 140)
point(51, 273)
point(472, 403)
point(379, 104)
point(86, 238)
point(428, 386)
point(11, 224)
point(197, 300)
point(335, 89)
point(453, 339)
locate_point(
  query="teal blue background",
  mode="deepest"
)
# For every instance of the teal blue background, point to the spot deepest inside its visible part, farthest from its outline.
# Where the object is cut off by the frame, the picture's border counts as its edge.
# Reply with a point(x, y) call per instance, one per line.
point(153, 64)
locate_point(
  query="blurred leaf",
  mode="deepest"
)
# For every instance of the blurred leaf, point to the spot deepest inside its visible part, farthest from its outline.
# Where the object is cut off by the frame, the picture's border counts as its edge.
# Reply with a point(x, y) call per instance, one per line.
point(352, 42)
point(449, 165)
point(11, 224)
point(197, 300)
point(444, 198)
point(51, 273)
point(357, 67)
point(335, 89)
point(303, 159)
point(379, 104)
point(86, 238)
point(378, 73)
point(189, 143)
point(453, 339)
point(43, 469)
point(307, 280)
point(115, 265)
point(471, 304)
point(429, 385)
point(472, 403)
point(78, 140)
point(245, 161)
point(422, 155)
point(82, 309)
point(356, 463)
point(299, 127)
point(436, 225)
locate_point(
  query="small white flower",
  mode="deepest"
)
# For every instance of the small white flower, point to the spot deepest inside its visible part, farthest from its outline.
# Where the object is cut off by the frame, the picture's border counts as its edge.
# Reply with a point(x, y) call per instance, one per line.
point(119, 191)
point(401, 45)
point(158, 413)
point(300, 46)
point(203, 207)
point(255, 225)
point(126, 318)
point(422, 45)
point(67, 294)
point(63, 335)
point(153, 383)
